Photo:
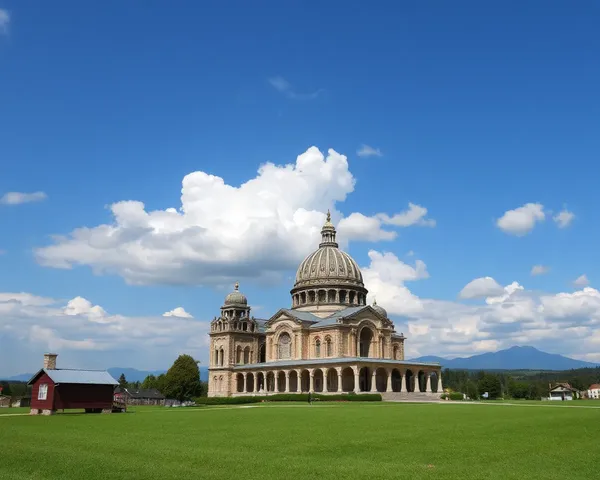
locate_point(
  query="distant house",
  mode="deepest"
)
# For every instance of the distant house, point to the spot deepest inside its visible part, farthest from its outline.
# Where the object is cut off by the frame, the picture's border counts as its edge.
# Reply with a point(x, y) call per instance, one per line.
point(144, 396)
point(4, 401)
point(60, 389)
point(594, 391)
point(562, 391)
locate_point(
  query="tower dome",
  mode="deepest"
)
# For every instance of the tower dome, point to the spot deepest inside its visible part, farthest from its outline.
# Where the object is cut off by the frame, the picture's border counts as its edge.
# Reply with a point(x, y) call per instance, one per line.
point(236, 298)
point(328, 279)
point(382, 311)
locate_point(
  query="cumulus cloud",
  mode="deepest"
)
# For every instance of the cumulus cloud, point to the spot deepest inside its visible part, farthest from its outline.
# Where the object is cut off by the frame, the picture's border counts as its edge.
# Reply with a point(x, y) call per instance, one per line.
point(177, 312)
point(480, 288)
point(283, 86)
point(521, 221)
point(221, 233)
point(87, 336)
point(539, 270)
point(564, 218)
point(17, 198)
point(368, 151)
point(581, 281)
point(4, 21)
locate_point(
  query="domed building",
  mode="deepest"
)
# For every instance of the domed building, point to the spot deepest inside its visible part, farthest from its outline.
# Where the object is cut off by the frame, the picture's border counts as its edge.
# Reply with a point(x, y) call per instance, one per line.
point(329, 341)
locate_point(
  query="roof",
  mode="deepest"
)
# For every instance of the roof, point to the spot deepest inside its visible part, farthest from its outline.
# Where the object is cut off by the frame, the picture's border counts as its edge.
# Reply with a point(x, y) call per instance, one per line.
point(327, 361)
point(595, 386)
point(145, 393)
point(563, 386)
point(87, 377)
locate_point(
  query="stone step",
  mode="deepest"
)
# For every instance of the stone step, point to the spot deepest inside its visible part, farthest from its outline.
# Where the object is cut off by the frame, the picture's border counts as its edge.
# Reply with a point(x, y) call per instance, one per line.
point(410, 397)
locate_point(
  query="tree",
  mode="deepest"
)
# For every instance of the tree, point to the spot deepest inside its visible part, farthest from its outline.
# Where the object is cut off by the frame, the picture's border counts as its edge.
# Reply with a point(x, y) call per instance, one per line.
point(471, 390)
point(182, 380)
point(6, 389)
point(490, 383)
point(122, 381)
point(149, 382)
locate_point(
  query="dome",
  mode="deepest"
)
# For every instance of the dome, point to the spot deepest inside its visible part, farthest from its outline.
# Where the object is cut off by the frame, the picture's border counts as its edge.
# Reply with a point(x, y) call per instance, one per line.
point(235, 297)
point(379, 309)
point(328, 279)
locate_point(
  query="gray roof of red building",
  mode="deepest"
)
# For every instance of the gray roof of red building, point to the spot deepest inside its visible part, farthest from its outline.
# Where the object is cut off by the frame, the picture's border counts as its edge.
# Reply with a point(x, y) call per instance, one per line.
point(86, 377)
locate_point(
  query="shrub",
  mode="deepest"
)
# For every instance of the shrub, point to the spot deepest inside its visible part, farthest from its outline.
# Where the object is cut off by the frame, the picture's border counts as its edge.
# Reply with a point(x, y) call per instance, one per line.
point(288, 397)
point(455, 396)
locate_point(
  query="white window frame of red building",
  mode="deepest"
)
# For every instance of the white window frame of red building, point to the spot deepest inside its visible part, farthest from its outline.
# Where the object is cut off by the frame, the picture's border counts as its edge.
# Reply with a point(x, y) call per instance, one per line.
point(43, 391)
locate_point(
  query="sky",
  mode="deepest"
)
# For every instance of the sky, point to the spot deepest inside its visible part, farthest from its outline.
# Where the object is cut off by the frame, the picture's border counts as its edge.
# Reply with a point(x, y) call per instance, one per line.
point(151, 155)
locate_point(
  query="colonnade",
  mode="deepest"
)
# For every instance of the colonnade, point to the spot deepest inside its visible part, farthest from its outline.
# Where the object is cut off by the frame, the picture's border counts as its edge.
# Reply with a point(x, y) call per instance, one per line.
point(337, 380)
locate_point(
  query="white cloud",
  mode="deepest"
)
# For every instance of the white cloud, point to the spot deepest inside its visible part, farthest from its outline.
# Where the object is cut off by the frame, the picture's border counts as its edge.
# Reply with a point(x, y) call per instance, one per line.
point(86, 336)
point(283, 86)
point(415, 215)
point(581, 281)
point(4, 21)
point(539, 270)
point(177, 312)
point(564, 218)
point(481, 287)
point(222, 233)
point(368, 151)
point(360, 227)
point(17, 198)
point(521, 221)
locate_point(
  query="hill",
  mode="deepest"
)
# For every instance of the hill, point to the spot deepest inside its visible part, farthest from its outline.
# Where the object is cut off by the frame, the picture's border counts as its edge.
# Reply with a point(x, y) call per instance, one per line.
point(513, 358)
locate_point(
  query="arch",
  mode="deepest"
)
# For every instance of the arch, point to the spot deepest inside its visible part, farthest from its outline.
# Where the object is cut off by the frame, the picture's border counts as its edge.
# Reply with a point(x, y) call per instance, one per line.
point(396, 380)
point(304, 381)
point(281, 382)
point(365, 339)
point(215, 383)
point(396, 351)
point(328, 347)
point(250, 382)
point(262, 353)
point(245, 326)
point(221, 357)
point(284, 346)
point(318, 380)
point(293, 381)
point(236, 325)
point(260, 381)
point(331, 296)
point(332, 380)
point(318, 348)
point(409, 378)
point(312, 296)
point(348, 379)
point(238, 354)
point(239, 383)
point(364, 379)
point(216, 359)
point(343, 295)
point(381, 377)
point(303, 298)
point(322, 296)
point(270, 382)
point(247, 355)
point(434, 381)
point(351, 296)
point(422, 380)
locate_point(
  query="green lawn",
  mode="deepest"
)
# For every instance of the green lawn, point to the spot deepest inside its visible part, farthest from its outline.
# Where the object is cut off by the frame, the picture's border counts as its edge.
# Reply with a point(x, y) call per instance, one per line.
point(337, 440)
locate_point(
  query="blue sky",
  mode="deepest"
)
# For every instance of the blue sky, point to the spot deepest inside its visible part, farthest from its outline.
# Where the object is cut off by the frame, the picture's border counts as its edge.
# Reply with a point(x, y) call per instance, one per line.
point(475, 110)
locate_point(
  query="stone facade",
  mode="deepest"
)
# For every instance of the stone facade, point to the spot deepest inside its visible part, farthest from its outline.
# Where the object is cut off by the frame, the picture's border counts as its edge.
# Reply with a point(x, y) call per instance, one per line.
point(330, 341)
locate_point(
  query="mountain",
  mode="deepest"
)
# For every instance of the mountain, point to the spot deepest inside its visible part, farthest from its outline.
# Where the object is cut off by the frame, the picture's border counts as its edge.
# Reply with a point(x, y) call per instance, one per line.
point(513, 358)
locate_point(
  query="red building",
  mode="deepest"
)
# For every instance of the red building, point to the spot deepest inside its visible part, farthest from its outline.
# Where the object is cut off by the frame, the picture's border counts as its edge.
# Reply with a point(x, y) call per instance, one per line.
point(62, 389)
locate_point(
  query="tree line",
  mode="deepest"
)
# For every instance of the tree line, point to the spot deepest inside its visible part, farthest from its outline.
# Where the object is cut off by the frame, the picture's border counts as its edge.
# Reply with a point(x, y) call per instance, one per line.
point(519, 384)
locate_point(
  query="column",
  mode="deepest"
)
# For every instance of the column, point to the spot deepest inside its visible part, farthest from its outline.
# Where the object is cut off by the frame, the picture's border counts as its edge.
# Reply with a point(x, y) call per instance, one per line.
point(276, 380)
point(245, 389)
point(339, 372)
point(256, 382)
point(311, 387)
point(264, 385)
point(389, 381)
point(287, 381)
point(356, 381)
point(337, 296)
point(428, 385)
point(440, 387)
point(374, 382)
point(325, 382)
point(403, 384)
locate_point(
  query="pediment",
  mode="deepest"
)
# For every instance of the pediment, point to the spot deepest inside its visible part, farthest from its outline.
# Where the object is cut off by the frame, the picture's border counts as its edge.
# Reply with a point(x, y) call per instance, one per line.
point(367, 313)
point(281, 316)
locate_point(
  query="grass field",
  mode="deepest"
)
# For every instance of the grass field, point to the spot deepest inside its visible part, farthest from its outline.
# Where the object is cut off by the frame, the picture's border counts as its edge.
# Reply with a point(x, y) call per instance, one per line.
point(351, 441)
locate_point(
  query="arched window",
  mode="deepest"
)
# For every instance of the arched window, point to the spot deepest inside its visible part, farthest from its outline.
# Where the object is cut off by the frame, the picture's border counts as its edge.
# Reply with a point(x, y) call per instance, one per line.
point(216, 359)
point(262, 354)
point(395, 352)
point(318, 348)
point(284, 346)
point(328, 347)
point(221, 357)
point(238, 354)
point(247, 355)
